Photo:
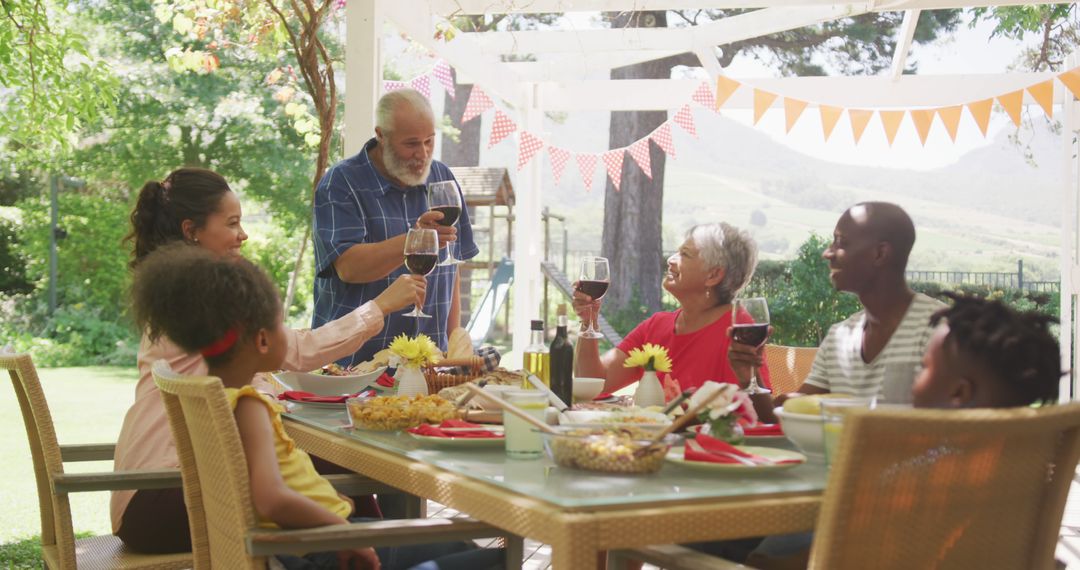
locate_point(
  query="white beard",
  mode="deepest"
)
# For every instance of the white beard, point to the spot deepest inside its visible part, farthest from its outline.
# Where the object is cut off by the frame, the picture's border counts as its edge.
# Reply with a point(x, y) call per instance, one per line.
point(402, 170)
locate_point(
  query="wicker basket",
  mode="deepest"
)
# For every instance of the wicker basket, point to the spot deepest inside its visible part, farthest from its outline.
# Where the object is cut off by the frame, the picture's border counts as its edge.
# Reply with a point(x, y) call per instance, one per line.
point(438, 380)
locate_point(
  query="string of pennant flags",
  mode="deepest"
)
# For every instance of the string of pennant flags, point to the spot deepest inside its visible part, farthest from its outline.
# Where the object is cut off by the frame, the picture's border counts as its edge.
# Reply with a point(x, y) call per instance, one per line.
point(530, 144)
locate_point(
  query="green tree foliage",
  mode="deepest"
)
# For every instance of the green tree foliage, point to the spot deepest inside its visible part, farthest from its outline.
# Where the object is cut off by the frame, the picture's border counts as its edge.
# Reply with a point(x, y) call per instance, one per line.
point(1057, 26)
point(52, 83)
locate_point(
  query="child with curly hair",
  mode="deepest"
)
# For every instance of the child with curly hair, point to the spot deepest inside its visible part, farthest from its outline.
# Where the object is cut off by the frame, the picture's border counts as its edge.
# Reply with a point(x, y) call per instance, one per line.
point(228, 310)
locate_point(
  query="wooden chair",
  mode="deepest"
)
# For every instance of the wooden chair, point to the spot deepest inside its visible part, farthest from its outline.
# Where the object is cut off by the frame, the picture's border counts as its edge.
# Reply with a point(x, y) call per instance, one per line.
point(939, 489)
point(216, 491)
point(788, 366)
point(59, 548)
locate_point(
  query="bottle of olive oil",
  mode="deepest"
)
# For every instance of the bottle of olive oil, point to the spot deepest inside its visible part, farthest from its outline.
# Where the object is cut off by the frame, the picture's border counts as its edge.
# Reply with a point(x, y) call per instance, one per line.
point(537, 359)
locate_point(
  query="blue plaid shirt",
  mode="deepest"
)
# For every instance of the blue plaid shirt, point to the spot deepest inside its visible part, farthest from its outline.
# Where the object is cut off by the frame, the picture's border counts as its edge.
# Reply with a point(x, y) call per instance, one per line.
point(355, 204)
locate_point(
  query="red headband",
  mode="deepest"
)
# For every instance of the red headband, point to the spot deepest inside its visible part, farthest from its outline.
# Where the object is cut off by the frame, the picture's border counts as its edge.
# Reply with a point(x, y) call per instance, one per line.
point(221, 345)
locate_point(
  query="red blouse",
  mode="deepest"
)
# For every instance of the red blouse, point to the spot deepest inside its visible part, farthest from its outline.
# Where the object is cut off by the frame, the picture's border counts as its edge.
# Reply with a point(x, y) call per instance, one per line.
point(695, 357)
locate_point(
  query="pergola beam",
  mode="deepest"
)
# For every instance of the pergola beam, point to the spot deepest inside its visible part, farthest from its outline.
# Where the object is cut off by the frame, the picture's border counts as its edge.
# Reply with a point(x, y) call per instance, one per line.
point(903, 45)
point(453, 8)
point(687, 39)
point(858, 92)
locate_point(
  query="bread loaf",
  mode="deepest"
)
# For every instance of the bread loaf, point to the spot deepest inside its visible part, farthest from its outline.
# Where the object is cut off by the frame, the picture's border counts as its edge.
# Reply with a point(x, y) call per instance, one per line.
point(459, 345)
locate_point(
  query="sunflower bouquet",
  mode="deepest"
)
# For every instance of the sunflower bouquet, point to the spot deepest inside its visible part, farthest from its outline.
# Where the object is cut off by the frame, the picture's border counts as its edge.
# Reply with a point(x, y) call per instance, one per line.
point(414, 352)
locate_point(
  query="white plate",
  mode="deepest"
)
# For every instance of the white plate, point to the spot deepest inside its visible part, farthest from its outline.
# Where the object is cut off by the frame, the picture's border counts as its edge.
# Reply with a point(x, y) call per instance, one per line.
point(459, 441)
point(327, 385)
point(675, 455)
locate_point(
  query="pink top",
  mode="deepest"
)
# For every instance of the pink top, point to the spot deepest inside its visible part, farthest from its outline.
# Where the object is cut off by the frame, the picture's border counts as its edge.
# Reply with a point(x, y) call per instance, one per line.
point(695, 357)
point(145, 440)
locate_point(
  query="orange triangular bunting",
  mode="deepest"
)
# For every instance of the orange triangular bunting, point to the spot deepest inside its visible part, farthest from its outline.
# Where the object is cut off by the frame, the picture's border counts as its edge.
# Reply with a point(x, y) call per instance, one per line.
point(980, 111)
point(792, 109)
point(922, 119)
point(950, 117)
point(1012, 102)
point(829, 117)
point(1043, 94)
point(724, 88)
point(762, 101)
point(1071, 80)
point(859, 119)
point(891, 121)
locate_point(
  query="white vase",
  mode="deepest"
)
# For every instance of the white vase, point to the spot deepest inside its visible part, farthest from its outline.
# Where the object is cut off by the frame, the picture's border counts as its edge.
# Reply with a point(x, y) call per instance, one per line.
point(410, 381)
point(649, 391)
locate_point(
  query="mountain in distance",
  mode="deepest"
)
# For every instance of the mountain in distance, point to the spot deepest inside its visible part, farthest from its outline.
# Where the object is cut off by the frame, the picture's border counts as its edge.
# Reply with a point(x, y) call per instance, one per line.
point(981, 213)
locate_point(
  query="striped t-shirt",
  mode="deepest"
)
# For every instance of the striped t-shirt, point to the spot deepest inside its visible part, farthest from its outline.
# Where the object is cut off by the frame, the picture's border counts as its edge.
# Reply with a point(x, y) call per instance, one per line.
point(839, 365)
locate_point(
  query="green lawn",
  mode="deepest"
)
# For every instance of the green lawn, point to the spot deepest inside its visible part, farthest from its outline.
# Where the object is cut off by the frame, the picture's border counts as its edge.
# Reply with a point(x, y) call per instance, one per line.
point(87, 406)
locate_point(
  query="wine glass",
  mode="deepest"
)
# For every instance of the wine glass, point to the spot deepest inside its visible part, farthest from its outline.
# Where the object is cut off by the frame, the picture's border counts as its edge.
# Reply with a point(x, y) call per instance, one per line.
point(421, 255)
point(750, 318)
point(593, 280)
point(444, 197)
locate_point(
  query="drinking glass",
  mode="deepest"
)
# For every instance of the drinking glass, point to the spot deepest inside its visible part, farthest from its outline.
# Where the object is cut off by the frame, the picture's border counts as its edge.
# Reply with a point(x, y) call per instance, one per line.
point(593, 280)
point(833, 411)
point(421, 255)
point(522, 439)
point(750, 318)
point(444, 197)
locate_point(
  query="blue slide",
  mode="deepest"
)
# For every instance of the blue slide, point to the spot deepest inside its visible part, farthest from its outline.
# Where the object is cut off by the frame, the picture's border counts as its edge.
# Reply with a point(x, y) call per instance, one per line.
point(483, 318)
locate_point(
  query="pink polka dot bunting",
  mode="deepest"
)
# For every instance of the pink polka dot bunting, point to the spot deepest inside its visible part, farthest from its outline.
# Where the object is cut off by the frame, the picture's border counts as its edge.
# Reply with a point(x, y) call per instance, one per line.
point(559, 158)
point(587, 166)
point(528, 146)
point(613, 162)
point(422, 84)
point(445, 76)
point(639, 151)
point(477, 104)
point(392, 85)
point(685, 119)
point(704, 96)
point(662, 137)
point(501, 128)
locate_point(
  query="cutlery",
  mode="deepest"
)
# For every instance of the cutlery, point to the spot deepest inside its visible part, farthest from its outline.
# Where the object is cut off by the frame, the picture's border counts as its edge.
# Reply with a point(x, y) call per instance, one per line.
point(680, 422)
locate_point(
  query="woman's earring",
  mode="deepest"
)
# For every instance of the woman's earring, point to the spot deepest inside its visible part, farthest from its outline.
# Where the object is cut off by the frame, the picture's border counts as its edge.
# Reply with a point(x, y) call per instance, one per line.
point(195, 241)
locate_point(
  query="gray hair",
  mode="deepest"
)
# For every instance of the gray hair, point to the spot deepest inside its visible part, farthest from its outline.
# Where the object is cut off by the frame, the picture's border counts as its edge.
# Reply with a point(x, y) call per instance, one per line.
point(384, 109)
point(723, 245)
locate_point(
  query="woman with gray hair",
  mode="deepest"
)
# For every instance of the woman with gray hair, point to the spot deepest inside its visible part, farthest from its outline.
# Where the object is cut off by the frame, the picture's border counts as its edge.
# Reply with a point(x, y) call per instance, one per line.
point(711, 266)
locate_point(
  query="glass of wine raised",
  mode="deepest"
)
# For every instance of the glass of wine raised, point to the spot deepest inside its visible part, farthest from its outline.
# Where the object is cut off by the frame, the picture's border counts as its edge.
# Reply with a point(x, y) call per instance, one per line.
point(421, 255)
point(751, 326)
point(593, 280)
point(444, 197)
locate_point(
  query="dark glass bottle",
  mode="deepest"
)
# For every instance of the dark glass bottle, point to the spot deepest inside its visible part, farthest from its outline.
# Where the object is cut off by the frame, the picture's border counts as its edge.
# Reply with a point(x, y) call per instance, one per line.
point(562, 360)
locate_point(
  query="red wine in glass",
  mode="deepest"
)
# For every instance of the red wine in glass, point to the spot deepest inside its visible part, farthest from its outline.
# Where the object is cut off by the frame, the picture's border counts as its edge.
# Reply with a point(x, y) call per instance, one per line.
point(594, 289)
point(751, 334)
point(450, 214)
point(421, 263)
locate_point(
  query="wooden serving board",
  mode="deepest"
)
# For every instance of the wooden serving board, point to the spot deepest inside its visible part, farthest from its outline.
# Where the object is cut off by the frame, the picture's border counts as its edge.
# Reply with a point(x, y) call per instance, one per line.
point(483, 417)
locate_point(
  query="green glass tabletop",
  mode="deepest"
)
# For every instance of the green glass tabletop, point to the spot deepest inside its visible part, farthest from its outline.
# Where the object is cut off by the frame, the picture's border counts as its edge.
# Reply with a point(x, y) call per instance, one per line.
point(542, 479)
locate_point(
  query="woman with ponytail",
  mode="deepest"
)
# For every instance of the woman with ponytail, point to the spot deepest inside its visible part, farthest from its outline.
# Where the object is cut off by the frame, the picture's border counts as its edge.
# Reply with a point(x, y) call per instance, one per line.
point(197, 207)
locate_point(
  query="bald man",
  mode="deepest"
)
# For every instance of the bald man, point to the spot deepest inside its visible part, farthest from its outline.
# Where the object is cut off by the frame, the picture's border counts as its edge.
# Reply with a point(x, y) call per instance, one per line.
point(877, 351)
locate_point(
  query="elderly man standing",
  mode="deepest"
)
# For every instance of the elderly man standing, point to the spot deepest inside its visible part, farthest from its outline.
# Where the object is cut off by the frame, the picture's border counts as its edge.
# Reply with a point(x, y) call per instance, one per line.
point(364, 207)
point(877, 351)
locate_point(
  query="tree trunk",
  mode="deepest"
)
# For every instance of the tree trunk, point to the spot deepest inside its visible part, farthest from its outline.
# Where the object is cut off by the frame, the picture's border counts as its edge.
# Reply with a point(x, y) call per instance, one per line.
point(633, 215)
point(466, 151)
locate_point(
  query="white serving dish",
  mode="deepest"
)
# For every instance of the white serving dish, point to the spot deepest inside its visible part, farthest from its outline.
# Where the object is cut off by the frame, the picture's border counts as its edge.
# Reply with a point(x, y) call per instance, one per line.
point(326, 385)
point(804, 430)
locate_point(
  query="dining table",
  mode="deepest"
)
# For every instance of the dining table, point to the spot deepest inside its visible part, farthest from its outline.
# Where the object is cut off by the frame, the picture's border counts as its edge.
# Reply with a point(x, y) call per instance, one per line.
point(578, 513)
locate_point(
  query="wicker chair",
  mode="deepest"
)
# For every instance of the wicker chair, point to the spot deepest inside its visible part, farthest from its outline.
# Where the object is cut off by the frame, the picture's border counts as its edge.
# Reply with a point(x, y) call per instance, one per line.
point(216, 491)
point(788, 366)
point(939, 489)
point(59, 548)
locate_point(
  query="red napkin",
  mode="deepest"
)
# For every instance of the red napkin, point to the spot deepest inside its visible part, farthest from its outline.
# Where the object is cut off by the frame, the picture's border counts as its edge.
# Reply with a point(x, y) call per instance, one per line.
point(385, 380)
point(763, 430)
point(716, 449)
point(437, 431)
point(301, 396)
point(603, 396)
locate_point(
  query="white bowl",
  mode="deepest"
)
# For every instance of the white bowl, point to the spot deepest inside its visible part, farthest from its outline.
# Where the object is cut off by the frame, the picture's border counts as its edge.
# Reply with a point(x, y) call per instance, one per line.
point(499, 390)
point(585, 389)
point(326, 385)
point(804, 430)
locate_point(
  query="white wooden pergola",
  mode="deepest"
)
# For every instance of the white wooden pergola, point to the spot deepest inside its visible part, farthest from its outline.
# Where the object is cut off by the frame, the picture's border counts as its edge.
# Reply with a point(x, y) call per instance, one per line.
point(564, 79)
